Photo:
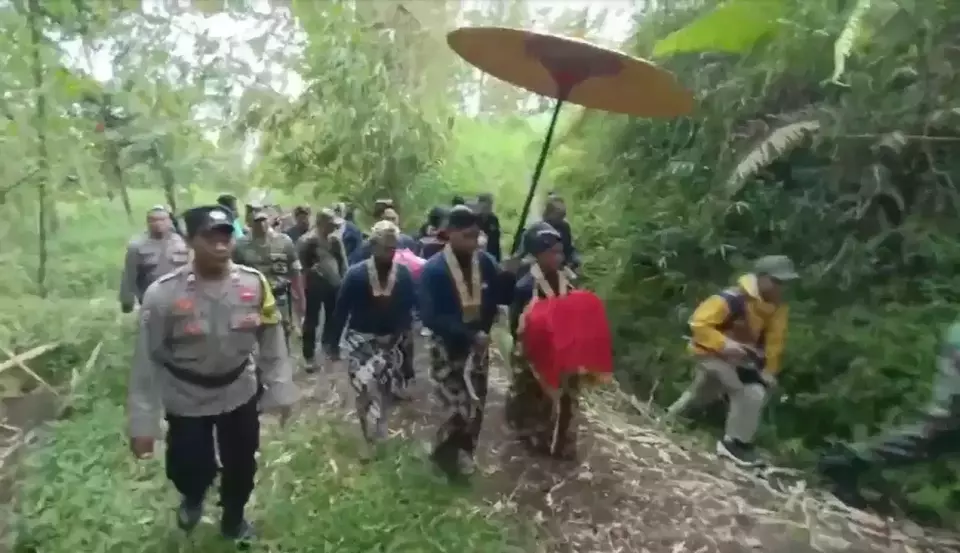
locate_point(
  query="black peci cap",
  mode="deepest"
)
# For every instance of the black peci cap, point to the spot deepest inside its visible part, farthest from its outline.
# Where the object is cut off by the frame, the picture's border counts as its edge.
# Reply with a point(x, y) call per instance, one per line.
point(461, 217)
point(207, 217)
point(540, 237)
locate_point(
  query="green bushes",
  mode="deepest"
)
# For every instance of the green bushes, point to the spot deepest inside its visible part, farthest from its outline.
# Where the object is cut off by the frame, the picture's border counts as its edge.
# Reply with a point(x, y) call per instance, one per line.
point(844, 179)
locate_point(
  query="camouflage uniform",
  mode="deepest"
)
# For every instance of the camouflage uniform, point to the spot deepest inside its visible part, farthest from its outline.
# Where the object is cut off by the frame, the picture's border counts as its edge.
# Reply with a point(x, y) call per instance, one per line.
point(276, 257)
point(936, 434)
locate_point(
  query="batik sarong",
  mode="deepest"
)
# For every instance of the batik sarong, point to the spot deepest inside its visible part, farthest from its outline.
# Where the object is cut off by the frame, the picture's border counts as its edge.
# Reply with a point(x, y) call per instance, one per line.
point(545, 420)
point(460, 386)
point(407, 370)
point(374, 368)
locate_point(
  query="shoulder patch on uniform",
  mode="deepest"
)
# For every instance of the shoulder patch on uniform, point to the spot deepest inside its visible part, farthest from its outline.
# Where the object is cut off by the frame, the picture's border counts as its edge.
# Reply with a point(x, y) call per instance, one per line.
point(169, 276)
point(248, 269)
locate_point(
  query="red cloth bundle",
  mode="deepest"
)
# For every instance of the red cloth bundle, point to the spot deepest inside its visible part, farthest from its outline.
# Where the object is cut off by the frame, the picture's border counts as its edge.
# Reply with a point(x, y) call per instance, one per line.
point(568, 335)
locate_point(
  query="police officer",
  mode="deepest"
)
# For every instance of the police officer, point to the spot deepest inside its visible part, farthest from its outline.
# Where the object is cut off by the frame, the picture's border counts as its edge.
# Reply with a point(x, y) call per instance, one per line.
point(151, 255)
point(273, 254)
point(200, 326)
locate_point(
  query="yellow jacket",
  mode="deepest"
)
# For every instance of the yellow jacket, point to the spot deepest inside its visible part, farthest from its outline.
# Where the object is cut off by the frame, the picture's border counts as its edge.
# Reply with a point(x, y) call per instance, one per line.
point(766, 323)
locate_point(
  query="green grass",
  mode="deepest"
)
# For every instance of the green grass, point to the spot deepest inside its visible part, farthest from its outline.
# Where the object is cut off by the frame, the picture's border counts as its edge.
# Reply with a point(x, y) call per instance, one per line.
point(85, 492)
point(80, 489)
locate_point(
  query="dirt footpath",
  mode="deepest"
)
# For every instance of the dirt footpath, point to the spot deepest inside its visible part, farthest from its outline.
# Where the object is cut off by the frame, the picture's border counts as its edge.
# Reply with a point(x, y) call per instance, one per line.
point(634, 488)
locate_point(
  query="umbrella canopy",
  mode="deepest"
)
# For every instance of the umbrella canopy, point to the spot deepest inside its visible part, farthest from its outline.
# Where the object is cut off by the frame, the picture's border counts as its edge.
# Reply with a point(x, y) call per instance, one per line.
point(573, 70)
point(570, 70)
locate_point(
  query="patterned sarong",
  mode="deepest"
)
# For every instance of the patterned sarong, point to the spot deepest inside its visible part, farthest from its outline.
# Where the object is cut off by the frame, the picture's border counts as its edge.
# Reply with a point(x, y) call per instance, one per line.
point(547, 421)
point(460, 387)
point(374, 367)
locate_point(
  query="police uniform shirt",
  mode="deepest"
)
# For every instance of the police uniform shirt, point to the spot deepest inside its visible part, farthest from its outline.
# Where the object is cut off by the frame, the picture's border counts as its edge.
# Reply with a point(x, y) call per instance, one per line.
point(208, 328)
point(148, 259)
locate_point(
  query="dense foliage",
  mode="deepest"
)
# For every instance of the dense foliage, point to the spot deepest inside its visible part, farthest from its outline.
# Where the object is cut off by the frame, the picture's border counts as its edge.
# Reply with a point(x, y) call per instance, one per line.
point(831, 136)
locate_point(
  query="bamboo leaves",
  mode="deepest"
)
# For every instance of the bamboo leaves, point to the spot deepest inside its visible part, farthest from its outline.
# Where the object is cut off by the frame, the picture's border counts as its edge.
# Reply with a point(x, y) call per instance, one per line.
point(848, 36)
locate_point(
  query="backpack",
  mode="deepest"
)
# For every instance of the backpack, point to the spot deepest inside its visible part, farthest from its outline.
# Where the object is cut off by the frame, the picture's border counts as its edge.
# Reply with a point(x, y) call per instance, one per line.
point(736, 310)
point(736, 302)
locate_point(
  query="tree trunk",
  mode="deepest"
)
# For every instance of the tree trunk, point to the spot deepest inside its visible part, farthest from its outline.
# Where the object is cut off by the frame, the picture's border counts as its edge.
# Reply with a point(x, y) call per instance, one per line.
point(40, 122)
point(161, 165)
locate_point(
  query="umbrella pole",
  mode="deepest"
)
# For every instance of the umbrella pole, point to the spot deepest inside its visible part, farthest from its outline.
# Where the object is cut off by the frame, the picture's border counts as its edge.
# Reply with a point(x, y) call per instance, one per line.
point(538, 169)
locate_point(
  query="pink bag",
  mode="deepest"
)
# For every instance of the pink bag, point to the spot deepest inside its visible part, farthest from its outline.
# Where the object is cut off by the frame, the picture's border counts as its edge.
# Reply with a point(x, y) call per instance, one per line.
point(410, 260)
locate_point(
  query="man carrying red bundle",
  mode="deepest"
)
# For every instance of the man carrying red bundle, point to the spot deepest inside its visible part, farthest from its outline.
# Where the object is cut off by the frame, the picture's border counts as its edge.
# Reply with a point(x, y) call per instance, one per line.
point(542, 403)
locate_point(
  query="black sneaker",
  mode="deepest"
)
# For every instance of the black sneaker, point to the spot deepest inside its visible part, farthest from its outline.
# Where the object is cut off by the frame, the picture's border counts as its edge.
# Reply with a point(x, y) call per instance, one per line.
point(842, 473)
point(741, 453)
point(189, 514)
point(240, 532)
point(310, 366)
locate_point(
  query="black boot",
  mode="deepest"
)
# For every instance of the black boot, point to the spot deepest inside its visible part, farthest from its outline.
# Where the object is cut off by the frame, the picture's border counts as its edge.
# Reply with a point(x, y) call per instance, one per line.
point(237, 529)
point(189, 514)
point(842, 471)
point(741, 453)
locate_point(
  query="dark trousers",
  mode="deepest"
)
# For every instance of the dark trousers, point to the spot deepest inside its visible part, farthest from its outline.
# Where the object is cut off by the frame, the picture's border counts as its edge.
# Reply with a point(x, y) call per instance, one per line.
point(319, 297)
point(192, 459)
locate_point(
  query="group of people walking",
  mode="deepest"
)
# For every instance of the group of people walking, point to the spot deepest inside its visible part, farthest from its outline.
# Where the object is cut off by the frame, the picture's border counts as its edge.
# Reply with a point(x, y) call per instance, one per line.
point(219, 305)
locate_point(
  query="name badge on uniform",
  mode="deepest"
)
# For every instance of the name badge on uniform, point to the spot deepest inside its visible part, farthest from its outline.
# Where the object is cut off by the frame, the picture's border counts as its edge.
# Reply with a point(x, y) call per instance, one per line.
point(248, 294)
point(183, 306)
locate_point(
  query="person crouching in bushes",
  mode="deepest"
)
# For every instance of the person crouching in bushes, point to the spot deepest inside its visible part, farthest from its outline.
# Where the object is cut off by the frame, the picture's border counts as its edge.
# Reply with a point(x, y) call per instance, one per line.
point(377, 297)
point(737, 338)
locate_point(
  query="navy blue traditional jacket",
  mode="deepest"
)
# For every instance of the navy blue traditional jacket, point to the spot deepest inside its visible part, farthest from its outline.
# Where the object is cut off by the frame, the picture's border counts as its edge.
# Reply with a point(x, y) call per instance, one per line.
point(570, 254)
point(369, 315)
point(440, 306)
point(490, 225)
point(522, 295)
point(352, 238)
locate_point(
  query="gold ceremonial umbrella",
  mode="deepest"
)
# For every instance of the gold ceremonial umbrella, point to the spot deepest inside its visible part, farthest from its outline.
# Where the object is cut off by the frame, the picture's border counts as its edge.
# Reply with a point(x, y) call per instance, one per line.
point(570, 70)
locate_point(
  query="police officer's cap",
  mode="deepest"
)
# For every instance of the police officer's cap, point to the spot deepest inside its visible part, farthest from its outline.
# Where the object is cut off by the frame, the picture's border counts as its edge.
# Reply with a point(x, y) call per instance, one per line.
point(207, 217)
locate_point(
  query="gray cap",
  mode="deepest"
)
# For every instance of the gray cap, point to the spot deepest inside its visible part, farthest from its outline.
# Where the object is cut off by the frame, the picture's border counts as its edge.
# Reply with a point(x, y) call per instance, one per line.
point(777, 266)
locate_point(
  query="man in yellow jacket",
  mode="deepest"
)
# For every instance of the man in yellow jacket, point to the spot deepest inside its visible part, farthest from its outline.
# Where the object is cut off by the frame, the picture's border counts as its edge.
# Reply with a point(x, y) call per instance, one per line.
point(737, 338)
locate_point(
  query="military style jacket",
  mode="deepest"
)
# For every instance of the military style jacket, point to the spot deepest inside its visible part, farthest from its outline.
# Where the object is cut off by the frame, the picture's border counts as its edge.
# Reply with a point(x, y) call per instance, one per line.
point(197, 344)
point(275, 256)
point(324, 256)
point(148, 259)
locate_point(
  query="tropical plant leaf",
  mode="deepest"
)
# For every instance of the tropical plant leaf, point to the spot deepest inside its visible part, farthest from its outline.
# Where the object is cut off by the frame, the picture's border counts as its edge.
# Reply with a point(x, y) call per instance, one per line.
point(780, 141)
point(848, 37)
point(733, 27)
